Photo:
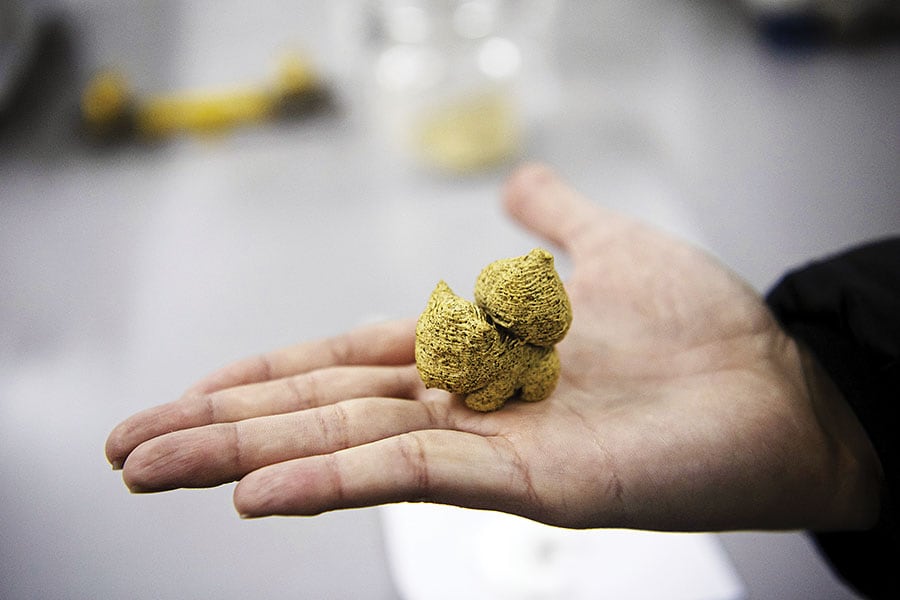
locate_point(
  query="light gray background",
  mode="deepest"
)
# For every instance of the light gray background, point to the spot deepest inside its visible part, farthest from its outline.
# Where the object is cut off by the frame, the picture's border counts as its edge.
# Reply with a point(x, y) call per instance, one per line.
point(128, 273)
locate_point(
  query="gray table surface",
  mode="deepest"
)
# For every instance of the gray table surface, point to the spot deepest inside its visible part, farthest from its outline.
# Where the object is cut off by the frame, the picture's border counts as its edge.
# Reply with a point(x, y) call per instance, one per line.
point(128, 273)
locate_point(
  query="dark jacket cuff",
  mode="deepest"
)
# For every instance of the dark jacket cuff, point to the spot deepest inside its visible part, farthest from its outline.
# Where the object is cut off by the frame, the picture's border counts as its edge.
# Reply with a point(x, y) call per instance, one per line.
point(846, 310)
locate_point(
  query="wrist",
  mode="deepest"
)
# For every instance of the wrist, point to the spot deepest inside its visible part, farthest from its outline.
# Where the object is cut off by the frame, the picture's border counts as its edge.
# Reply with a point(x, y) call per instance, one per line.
point(852, 466)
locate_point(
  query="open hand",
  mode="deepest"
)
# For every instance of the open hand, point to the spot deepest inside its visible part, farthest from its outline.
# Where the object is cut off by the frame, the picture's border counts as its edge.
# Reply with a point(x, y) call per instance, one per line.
point(681, 405)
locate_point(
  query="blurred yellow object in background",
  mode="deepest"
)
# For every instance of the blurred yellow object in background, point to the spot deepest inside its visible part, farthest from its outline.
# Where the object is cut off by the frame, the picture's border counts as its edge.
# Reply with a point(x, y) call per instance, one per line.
point(472, 134)
point(105, 97)
point(109, 108)
point(201, 112)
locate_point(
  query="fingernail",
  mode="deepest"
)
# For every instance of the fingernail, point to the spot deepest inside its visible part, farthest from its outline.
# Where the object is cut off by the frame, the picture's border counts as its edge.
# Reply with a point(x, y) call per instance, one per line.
point(250, 515)
point(117, 465)
point(535, 174)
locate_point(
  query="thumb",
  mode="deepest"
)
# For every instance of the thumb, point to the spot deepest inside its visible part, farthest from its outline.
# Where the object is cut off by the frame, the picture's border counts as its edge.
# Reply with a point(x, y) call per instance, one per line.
point(448, 467)
point(542, 202)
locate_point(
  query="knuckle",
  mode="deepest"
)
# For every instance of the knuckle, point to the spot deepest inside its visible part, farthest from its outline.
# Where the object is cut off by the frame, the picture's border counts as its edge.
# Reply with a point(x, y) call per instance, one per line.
point(414, 462)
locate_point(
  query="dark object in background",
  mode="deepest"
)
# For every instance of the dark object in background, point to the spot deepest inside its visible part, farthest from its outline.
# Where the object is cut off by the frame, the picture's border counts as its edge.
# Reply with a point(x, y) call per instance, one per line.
point(39, 105)
point(823, 23)
point(19, 38)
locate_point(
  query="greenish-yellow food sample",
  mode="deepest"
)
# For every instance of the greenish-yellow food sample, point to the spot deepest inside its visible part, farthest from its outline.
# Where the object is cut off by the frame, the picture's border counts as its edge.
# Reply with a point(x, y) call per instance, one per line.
point(501, 345)
point(471, 134)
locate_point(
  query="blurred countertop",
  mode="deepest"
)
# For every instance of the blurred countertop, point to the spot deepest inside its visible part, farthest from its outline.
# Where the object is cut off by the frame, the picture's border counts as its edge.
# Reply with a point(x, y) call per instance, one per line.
point(130, 271)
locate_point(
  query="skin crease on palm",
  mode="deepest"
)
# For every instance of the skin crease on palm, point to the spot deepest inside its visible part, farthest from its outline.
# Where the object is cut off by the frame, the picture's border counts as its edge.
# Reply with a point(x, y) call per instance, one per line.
point(681, 406)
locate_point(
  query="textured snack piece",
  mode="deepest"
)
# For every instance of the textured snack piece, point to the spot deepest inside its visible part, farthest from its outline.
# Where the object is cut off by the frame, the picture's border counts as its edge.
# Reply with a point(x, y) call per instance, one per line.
point(531, 371)
point(489, 357)
point(526, 296)
point(457, 349)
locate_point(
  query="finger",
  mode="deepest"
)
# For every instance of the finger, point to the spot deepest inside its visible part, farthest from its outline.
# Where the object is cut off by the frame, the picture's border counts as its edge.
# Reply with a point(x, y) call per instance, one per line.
point(388, 343)
point(450, 467)
point(209, 456)
point(289, 394)
point(542, 202)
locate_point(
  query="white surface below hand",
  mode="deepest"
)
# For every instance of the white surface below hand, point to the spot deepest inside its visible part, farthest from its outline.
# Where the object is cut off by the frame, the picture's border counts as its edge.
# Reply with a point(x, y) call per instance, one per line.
point(439, 552)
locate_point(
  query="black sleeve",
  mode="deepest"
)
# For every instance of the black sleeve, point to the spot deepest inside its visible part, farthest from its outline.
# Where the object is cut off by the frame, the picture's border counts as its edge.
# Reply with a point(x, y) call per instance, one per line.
point(846, 309)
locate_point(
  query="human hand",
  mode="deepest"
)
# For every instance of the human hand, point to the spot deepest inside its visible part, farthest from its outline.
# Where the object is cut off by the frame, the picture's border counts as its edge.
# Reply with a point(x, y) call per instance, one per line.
point(681, 406)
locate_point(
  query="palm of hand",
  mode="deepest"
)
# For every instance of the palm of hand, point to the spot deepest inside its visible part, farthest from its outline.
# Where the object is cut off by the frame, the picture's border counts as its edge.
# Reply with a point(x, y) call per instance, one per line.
point(662, 375)
point(670, 408)
point(667, 397)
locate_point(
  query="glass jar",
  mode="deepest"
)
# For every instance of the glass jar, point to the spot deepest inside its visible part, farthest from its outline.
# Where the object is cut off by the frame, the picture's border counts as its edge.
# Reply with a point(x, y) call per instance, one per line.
point(445, 80)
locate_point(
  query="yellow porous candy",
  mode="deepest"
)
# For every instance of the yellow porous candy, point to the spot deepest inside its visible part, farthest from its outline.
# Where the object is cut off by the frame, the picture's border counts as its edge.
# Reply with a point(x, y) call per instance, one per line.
point(525, 296)
point(502, 345)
